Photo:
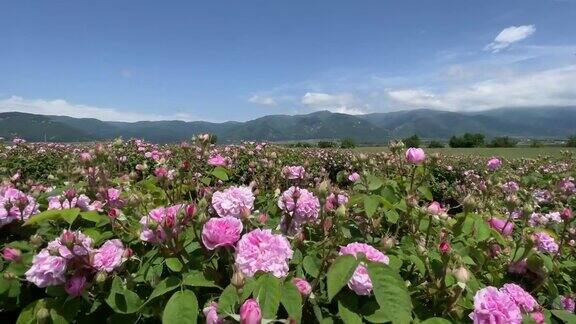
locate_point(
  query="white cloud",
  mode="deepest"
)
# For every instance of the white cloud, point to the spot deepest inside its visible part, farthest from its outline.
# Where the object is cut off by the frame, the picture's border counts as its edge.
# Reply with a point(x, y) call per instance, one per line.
point(509, 36)
point(65, 108)
point(553, 87)
point(263, 100)
point(343, 103)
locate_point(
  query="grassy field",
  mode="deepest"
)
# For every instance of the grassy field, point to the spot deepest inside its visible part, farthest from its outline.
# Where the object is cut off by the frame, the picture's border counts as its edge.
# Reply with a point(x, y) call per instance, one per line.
point(515, 152)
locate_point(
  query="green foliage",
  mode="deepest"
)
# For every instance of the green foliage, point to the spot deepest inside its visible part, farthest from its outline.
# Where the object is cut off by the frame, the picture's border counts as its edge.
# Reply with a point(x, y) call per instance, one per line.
point(467, 140)
point(347, 143)
point(503, 141)
point(412, 141)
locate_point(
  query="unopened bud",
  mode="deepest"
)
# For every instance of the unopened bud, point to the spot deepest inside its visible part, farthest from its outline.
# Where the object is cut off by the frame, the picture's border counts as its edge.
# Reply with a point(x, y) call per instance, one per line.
point(42, 315)
point(461, 274)
point(238, 279)
point(388, 242)
point(101, 277)
point(566, 214)
point(341, 211)
point(323, 188)
point(36, 240)
point(469, 203)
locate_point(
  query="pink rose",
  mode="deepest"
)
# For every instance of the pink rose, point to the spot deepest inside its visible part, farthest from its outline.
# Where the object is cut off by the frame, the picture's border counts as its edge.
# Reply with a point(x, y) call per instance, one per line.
point(354, 177)
point(501, 225)
point(109, 256)
point(11, 254)
point(494, 164)
point(250, 312)
point(211, 314)
point(434, 208)
point(303, 286)
point(415, 155)
point(75, 285)
point(221, 231)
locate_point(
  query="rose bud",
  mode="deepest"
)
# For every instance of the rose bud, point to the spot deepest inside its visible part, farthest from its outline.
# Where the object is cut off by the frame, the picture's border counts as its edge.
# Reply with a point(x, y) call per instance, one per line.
point(250, 312)
point(11, 254)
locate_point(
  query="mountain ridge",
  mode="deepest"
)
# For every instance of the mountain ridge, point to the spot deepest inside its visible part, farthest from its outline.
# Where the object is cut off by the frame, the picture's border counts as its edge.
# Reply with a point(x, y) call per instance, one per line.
point(528, 122)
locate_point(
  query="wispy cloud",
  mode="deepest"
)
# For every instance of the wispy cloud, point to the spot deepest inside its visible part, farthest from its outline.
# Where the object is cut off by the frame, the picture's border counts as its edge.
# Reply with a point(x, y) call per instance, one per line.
point(341, 102)
point(65, 108)
point(509, 36)
point(263, 100)
point(552, 87)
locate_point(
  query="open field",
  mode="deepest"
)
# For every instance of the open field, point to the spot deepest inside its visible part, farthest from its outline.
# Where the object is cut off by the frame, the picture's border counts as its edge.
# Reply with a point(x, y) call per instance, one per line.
point(509, 153)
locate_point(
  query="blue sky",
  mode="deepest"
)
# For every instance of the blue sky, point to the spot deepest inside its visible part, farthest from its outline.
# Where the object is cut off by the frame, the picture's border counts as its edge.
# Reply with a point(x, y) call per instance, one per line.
point(237, 60)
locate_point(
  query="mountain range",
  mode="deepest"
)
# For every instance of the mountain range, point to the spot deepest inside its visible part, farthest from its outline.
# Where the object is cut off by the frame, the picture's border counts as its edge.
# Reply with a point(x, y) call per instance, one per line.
point(541, 122)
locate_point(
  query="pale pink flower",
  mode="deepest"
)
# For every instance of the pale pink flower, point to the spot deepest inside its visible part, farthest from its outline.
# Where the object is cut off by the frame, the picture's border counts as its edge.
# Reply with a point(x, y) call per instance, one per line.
point(360, 282)
point(293, 172)
point(415, 155)
point(260, 250)
point(219, 232)
point(109, 256)
point(492, 306)
point(303, 286)
point(250, 312)
point(234, 201)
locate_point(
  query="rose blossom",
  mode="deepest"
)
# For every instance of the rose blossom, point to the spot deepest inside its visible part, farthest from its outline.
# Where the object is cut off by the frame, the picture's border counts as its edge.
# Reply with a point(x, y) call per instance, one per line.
point(293, 172)
point(545, 242)
point(303, 286)
point(523, 299)
point(217, 160)
point(109, 256)
point(360, 282)
point(354, 176)
point(260, 250)
point(211, 314)
point(492, 306)
point(224, 231)
point(162, 222)
point(494, 164)
point(47, 270)
point(75, 285)
point(301, 205)
point(567, 303)
point(250, 312)
point(233, 201)
point(415, 155)
point(501, 225)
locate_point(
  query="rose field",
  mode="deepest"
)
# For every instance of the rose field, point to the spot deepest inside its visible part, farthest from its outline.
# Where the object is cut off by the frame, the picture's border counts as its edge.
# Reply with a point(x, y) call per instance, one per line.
point(133, 232)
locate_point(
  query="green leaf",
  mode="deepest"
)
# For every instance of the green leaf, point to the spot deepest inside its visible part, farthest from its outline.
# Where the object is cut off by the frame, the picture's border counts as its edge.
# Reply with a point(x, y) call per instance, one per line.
point(418, 263)
point(268, 295)
point(220, 173)
point(564, 316)
point(346, 311)
point(227, 301)
point(339, 273)
point(425, 192)
point(163, 287)
point(182, 308)
point(174, 264)
point(122, 300)
point(69, 215)
point(292, 300)
point(435, 320)
point(374, 182)
point(95, 217)
point(391, 293)
point(197, 279)
point(28, 314)
point(312, 265)
point(371, 203)
point(378, 316)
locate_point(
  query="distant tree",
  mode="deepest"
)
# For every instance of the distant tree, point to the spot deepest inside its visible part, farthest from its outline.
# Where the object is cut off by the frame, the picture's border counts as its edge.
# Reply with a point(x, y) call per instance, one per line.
point(412, 141)
point(347, 143)
point(571, 142)
point(503, 141)
point(326, 144)
point(300, 144)
point(213, 139)
point(467, 140)
point(535, 143)
point(435, 144)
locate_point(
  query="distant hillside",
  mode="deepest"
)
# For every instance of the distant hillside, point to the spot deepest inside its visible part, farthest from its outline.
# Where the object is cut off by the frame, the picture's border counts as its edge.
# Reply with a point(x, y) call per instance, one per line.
point(550, 122)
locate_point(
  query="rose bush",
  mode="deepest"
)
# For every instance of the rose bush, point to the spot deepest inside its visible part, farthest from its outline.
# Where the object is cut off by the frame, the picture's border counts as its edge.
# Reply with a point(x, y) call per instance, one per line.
point(130, 231)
